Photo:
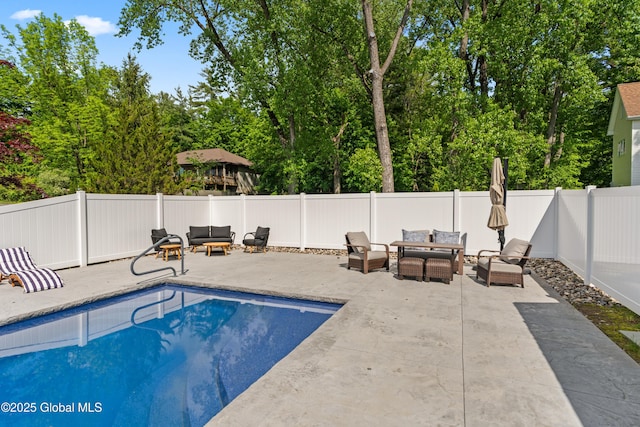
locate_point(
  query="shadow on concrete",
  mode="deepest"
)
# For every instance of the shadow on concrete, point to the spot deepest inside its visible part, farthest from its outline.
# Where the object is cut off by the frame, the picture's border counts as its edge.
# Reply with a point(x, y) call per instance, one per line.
point(601, 382)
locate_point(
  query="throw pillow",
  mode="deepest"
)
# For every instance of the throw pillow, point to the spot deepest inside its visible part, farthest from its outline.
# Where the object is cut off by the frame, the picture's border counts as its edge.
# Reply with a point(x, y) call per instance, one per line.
point(446, 237)
point(415, 236)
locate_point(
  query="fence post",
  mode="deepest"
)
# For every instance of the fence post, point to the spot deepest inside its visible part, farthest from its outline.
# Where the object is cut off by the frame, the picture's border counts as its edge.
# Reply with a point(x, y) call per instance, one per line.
point(210, 213)
point(243, 213)
point(556, 221)
point(456, 210)
point(159, 210)
point(373, 226)
point(303, 222)
point(590, 234)
point(82, 228)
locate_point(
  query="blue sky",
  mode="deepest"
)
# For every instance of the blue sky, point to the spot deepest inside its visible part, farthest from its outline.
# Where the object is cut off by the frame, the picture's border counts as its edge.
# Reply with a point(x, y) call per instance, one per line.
point(169, 65)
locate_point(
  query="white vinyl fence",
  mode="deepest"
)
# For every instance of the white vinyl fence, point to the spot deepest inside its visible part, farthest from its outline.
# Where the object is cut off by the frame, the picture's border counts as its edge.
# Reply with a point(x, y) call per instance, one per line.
point(595, 232)
point(599, 238)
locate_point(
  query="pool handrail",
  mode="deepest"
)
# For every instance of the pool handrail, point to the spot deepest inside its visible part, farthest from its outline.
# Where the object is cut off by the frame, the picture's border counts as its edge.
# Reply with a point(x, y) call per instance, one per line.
point(154, 246)
point(162, 301)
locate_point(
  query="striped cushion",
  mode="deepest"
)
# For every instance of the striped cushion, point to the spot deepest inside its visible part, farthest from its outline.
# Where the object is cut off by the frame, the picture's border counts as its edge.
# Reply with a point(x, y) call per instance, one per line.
point(38, 279)
point(15, 259)
point(16, 264)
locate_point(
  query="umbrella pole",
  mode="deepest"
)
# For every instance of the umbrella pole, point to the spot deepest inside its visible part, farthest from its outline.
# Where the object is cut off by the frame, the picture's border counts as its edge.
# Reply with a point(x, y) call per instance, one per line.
point(505, 171)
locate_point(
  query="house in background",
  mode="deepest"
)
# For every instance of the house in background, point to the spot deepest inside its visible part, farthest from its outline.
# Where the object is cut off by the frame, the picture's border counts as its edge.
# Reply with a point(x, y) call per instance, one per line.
point(624, 126)
point(219, 171)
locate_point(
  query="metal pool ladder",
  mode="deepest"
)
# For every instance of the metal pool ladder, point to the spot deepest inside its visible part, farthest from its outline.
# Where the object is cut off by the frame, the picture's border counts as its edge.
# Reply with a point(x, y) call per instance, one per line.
point(158, 243)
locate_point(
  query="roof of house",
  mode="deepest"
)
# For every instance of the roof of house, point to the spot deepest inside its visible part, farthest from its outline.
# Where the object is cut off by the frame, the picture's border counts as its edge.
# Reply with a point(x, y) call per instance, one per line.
point(628, 98)
point(217, 155)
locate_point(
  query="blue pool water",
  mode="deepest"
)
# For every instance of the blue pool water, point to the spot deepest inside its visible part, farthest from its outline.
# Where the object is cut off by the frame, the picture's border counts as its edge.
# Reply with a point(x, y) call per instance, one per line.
point(167, 356)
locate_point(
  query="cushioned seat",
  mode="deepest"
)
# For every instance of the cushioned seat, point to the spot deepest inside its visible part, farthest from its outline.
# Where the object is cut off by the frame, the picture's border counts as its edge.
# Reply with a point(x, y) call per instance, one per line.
point(410, 266)
point(17, 266)
point(361, 256)
point(159, 234)
point(256, 239)
point(439, 268)
point(199, 235)
point(506, 266)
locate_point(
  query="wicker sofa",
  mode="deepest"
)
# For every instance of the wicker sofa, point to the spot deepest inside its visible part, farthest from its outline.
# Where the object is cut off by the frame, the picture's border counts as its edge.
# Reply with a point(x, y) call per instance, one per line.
point(198, 235)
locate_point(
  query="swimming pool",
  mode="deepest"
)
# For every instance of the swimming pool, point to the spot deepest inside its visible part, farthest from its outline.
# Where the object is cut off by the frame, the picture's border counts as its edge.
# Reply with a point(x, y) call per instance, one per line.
point(171, 355)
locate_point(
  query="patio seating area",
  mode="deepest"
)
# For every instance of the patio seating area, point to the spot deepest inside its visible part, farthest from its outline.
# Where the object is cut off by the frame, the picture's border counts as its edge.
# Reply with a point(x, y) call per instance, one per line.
point(400, 352)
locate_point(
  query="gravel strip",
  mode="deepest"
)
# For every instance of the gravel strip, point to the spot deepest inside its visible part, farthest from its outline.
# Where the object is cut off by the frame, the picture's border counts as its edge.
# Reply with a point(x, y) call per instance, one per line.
point(568, 284)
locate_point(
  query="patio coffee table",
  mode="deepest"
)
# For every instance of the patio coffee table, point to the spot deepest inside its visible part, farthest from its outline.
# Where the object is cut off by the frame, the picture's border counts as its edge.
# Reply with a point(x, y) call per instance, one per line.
point(171, 248)
point(223, 245)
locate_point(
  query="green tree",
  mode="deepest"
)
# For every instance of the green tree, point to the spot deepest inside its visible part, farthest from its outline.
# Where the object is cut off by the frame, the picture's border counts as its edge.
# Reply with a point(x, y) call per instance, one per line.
point(376, 74)
point(178, 119)
point(364, 173)
point(245, 42)
point(15, 148)
point(134, 157)
point(62, 86)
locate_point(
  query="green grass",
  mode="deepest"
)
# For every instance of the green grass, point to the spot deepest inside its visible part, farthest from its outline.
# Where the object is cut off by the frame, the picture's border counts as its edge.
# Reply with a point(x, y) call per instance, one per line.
point(611, 320)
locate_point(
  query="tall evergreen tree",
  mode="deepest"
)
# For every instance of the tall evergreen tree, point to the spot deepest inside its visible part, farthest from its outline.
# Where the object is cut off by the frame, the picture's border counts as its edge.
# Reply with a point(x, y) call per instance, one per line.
point(135, 156)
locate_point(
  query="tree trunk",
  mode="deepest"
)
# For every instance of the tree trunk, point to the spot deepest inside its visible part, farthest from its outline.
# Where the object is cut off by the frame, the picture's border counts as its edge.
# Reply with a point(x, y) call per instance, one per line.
point(553, 118)
point(293, 179)
point(337, 174)
point(382, 133)
point(464, 45)
point(482, 59)
point(376, 73)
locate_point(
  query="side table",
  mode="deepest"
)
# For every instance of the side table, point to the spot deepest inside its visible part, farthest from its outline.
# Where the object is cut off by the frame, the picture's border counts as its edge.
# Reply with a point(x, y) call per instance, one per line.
point(171, 249)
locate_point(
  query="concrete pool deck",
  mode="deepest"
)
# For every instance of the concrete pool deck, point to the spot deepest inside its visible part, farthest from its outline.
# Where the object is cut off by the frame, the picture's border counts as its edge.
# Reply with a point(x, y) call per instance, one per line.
point(400, 352)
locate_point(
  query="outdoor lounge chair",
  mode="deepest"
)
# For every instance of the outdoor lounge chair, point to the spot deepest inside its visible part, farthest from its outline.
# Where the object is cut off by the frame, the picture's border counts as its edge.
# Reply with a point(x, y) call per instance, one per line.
point(506, 266)
point(258, 240)
point(361, 256)
point(159, 234)
point(16, 266)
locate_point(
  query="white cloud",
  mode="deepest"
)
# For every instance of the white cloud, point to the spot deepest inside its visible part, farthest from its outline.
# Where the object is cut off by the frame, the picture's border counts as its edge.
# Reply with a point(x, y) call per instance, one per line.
point(96, 26)
point(21, 15)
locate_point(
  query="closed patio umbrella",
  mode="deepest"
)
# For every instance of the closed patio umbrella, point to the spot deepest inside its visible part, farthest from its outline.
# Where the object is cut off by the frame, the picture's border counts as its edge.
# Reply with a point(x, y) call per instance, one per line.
point(498, 215)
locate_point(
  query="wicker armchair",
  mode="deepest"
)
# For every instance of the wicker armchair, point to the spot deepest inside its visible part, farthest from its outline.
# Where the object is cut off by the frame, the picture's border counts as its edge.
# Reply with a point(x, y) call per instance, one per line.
point(360, 254)
point(506, 266)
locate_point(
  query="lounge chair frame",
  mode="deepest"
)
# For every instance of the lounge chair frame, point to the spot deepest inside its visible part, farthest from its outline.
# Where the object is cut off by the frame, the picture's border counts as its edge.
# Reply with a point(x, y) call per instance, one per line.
point(491, 275)
point(17, 267)
point(256, 239)
point(365, 262)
